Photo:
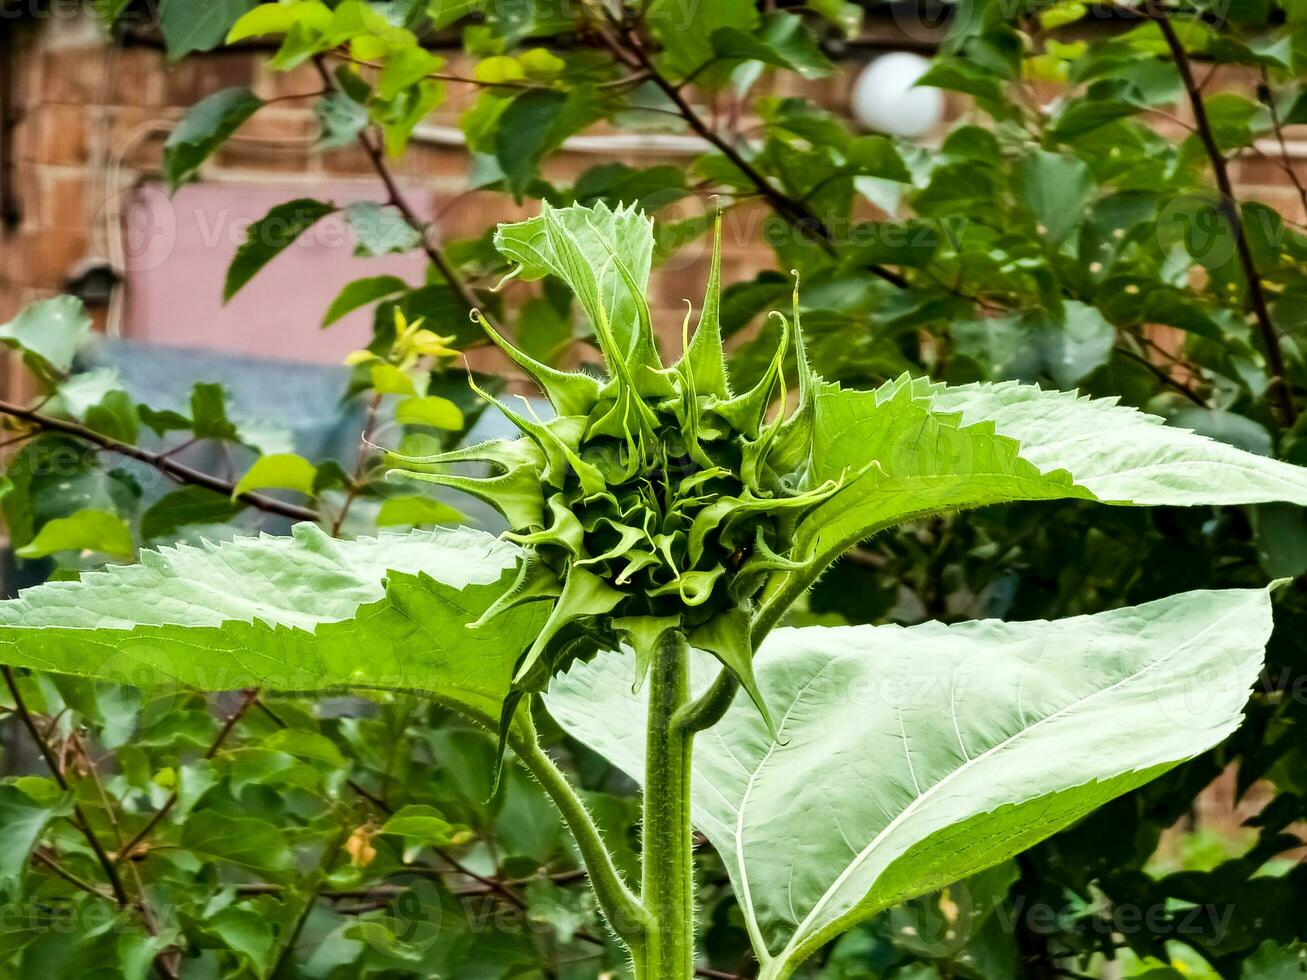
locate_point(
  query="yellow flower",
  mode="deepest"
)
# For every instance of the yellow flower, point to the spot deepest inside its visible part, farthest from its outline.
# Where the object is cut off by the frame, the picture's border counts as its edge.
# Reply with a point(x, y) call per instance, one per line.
point(431, 343)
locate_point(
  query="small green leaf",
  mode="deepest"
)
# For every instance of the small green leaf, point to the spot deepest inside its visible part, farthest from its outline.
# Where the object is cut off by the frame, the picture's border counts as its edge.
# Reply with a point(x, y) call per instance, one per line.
point(205, 127)
point(86, 530)
point(115, 416)
point(306, 745)
point(1062, 13)
point(1234, 119)
point(566, 911)
point(282, 471)
point(269, 236)
point(340, 120)
point(1083, 116)
point(264, 19)
point(401, 116)
point(843, 14)
point(876, 156)
point(361, 292)
point(390, 380)
point(1057, 188)
point(380, 231)
point(405, 67)
point(424, 824)
point(499, 69)
point(784, 41)
point(439, 413)
point(189, 505)
point(246, 933)
point(22, 821)
point(52, 330)
point(1038, 346)
point(198, 25)
point(526, 133)
point(416, 511)
point(209, 412)
point(445, 12)
point(686, 31)
point(244, 841)
point(1270, 961)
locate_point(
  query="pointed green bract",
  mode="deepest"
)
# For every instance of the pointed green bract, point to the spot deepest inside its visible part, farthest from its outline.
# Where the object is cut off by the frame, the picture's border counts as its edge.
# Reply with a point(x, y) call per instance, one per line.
point(571, 393)
point(975, 741)
point(308, 613)
point(705, 361)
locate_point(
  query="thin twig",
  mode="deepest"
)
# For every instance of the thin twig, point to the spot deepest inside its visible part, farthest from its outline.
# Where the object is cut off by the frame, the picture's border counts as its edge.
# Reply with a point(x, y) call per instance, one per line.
point(128, 849)
point(160, 461)
point(795, 211)
point(1267, 96)
point(78, 818)
point(397, 199)
point(369, 426)
point(1229, 205)
point(69, 877)
point(1163, 375)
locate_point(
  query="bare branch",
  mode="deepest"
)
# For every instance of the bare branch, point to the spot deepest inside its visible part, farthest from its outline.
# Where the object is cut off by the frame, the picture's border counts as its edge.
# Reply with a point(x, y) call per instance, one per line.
point(1229, 205)
point(160, 461)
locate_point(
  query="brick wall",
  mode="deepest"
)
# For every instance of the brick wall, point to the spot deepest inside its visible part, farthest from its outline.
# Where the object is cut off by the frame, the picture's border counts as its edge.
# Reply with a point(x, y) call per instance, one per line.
point(93, 117)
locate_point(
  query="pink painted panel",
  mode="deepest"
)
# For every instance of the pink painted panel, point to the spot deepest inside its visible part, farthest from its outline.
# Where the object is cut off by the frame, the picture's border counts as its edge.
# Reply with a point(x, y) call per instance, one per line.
point(177, 251)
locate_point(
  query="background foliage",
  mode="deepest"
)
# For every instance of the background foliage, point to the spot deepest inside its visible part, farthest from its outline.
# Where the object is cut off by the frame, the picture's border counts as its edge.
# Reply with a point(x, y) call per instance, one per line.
point(1046, 239)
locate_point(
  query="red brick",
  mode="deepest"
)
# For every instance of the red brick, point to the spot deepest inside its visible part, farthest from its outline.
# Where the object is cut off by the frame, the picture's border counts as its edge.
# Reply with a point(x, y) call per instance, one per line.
point(54, 252)
point(63, 134)
point(277, 84)
point(136, 78)
point(346, 161)
point(1255, 169)
point(72, 76)
point(65, 200)
point(187, 81)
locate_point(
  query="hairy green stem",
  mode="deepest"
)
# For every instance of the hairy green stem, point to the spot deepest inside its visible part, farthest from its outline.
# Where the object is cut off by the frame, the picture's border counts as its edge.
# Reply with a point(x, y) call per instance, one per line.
point(668, 886)
point(619, 905)
point(710, 706)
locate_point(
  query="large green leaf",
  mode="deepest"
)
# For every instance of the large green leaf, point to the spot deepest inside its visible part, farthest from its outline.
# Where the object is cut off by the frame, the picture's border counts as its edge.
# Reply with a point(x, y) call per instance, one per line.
point(205, 127)
point(912, 448)
point(912, 758)
point(269, 237)
point(306, 613)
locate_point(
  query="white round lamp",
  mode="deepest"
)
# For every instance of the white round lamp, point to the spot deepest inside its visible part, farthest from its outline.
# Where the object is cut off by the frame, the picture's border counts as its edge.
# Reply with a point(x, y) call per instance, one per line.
point(885, 101)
